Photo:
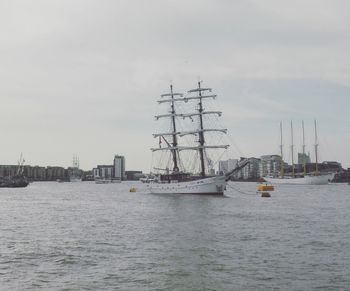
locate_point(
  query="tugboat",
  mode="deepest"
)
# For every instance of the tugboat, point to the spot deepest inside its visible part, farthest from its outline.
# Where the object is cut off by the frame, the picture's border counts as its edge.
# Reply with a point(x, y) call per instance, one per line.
point(16, 181)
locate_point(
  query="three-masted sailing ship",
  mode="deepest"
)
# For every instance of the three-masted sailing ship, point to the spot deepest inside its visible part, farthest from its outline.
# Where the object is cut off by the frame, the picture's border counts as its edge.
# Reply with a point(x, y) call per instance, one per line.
point(179, 141)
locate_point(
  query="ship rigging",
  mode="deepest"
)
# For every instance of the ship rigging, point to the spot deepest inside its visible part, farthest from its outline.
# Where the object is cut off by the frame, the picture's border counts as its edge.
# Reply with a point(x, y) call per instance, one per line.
point(181, 138)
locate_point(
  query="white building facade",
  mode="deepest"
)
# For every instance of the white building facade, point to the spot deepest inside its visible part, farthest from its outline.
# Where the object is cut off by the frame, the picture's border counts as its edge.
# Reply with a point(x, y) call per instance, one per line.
point(119, 167)
point(103, 171)
point(270, 165)
point(227, 165)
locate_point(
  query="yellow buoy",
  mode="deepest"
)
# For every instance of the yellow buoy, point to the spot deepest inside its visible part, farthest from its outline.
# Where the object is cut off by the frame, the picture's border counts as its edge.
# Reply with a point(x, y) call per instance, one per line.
point(265, 187)
point(132, 189)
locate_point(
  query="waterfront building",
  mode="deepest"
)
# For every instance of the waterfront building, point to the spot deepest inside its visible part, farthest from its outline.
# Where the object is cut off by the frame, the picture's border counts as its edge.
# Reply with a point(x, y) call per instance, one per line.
point(303, 158)
point(8, 170)
point(87, 176)
point(35, 173)
point(55, 173)
point(270, 165)
point(119, 167)
point(103, 171)
point(117, 170)
point(227, 165)
point(331, 166)
point(251, 170)
point(134, 175)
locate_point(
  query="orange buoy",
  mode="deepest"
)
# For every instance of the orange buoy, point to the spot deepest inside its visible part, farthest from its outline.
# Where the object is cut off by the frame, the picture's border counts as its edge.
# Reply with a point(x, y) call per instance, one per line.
point(265, 187)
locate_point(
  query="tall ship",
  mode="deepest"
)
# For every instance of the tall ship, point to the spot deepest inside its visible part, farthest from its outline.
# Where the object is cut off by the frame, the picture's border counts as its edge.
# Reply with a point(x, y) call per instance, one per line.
point(185, 162)
point(75, 173)
point(304, 178)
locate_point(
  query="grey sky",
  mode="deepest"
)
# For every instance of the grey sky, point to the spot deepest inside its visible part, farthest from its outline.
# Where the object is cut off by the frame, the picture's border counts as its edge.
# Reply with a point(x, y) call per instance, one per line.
point(83, 76)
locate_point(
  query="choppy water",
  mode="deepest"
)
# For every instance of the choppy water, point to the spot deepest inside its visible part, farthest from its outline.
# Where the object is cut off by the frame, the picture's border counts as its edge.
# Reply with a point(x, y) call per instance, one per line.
point(83, 236)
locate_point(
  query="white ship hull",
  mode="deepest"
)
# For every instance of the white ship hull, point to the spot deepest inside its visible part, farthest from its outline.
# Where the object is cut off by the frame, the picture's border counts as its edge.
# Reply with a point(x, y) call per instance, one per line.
point(307, 180)
point(210, 186)
point(71, 179)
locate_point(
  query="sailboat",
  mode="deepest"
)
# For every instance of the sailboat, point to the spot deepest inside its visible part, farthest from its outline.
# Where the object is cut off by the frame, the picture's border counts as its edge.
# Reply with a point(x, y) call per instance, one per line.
point(180, 143)
point(315, 178)
point(75, 172)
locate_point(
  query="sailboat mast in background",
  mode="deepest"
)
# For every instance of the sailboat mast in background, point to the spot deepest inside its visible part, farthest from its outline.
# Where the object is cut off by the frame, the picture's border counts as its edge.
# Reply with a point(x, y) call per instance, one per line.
point(316, 148)
point(304, 159)
point(292, 147)
point(281, 147)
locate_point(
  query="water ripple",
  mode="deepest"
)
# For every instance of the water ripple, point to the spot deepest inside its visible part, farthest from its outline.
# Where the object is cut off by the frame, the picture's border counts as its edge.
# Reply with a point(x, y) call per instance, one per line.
point(64, 236)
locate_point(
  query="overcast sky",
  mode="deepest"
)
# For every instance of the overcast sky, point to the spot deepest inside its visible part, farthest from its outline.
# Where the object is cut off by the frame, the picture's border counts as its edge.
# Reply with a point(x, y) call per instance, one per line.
point(83, 76)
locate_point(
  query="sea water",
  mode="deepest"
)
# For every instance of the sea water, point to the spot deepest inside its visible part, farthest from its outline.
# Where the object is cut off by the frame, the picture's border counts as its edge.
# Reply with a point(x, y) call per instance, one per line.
point(85, 236)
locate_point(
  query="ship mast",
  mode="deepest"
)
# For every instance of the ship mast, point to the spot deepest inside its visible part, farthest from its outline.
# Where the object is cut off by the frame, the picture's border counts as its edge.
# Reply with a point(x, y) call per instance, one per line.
point(316, 148)
point(304, 158)
point(75, 161)
point(201, 130)
point(173, 146)
point(292, 148)
point(174, 151)
point(202, 146)
point(201, 133)
point(281, 147)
